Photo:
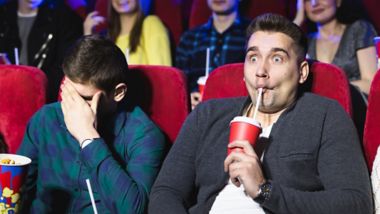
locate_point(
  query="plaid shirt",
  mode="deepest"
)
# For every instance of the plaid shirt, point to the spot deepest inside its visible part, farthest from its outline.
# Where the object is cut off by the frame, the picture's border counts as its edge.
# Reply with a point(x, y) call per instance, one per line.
point(121, 173)
point(228, 47)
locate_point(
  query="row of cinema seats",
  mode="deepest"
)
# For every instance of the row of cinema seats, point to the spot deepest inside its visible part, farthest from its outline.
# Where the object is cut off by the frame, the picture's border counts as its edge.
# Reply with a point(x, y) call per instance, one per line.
point(161, 92)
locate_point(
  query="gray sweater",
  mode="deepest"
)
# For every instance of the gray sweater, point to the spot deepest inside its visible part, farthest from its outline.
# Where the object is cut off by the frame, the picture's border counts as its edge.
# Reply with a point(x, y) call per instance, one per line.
point(313, 159)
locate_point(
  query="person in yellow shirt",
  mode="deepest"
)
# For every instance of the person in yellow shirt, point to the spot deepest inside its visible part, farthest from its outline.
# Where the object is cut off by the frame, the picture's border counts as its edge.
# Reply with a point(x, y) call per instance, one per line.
point(143, 39)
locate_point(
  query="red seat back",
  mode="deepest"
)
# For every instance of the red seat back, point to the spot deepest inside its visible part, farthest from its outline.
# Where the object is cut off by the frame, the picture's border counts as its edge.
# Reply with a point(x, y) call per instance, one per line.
point(22, 93)
point(371, 139)
point(170, 12)
point(325, 79)
point(102, 7)
point(161, 91)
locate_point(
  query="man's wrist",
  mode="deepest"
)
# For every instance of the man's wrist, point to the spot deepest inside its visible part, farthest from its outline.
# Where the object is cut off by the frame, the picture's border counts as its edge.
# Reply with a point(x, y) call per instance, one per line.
point(90, 134)
point(265, 191)
point(86, 142)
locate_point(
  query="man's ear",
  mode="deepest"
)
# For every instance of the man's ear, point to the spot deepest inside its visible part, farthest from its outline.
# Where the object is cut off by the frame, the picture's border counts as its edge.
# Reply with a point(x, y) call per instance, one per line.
point(120, 92)
point(304, 71)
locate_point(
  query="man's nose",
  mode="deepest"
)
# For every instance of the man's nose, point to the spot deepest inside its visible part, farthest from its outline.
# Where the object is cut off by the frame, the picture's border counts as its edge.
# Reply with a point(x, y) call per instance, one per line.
point(262, 70)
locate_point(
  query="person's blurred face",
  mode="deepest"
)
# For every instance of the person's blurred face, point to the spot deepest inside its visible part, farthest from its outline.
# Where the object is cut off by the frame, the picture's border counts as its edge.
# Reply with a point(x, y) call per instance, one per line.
point(33, 4)
point(271, 63)
point(125, 6)
point(321, 11)
point(223, 7)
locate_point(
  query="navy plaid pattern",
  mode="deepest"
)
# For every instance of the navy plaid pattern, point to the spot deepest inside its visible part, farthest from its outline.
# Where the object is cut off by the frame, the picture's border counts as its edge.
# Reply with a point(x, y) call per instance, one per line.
point(121, 173)
point(228, 47)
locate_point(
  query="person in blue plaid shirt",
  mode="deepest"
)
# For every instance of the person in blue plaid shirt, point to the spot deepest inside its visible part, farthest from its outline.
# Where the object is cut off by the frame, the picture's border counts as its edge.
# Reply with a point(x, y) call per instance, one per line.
point(90, 135)
point(224, 34)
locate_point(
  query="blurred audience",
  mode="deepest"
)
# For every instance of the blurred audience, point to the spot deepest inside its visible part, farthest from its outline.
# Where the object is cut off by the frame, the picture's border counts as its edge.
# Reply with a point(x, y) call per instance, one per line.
point(343, 38)
point(223, 34)
point(41, 31)
point(143, 39)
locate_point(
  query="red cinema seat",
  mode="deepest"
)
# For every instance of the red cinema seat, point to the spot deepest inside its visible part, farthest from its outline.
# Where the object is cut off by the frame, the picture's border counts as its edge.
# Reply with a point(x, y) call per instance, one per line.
point(161, 92)
point(22, 93)
point(325, 79)
point(170, 12)
point(371, 139)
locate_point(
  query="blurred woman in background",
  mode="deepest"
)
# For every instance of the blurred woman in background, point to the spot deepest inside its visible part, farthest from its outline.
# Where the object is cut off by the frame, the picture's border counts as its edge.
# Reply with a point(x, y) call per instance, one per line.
point(143, 39)
point(343, 38)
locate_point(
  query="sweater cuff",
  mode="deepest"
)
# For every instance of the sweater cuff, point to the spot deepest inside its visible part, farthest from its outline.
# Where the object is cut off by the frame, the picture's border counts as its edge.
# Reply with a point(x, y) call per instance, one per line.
point(94, 153)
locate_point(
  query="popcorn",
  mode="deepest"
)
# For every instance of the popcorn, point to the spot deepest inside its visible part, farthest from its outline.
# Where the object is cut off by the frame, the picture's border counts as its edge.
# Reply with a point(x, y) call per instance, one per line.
point(7, 161)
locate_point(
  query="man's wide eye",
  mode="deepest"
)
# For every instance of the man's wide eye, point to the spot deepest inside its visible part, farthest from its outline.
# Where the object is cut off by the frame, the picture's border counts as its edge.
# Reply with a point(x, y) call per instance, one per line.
point(253, 58)
point(277, 59)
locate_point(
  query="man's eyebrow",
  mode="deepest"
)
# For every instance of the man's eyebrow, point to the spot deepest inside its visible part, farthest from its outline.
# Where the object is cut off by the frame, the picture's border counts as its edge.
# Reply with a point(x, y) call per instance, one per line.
point(255, 48)
point(280, 50)
point(88, 98)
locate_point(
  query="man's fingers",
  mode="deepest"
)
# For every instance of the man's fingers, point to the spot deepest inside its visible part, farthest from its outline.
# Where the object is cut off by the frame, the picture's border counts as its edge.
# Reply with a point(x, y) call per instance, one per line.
point(247, 148)
point(95, 101)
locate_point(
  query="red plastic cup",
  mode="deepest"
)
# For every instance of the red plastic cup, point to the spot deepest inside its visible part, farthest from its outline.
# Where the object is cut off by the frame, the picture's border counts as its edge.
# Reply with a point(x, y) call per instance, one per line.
point(11, 180)
point(201, 84)
point(244, 128)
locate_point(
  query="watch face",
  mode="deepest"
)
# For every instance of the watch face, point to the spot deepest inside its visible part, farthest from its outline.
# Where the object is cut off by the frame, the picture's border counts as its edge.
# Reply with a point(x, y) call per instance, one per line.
point(266, 189)
point(264, 192)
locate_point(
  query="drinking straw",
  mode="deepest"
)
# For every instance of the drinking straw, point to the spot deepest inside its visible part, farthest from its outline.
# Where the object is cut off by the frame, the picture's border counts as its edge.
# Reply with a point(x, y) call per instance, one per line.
point(207, 61)
point(258, 101)
point(127, 54)
point(16, 56)
point(91, 196)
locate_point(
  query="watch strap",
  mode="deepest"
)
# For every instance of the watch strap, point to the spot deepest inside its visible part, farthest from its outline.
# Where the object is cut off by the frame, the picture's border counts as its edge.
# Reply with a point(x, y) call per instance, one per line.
point(265, 190)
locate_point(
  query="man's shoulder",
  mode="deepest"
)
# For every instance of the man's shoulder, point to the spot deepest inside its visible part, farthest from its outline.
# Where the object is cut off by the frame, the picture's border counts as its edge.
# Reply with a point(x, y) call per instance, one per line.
point(222, 105)
point(48, 115)
point(244, 22)
point(197, 30)
point(136, 117)
point(315, 102)
point(49, 109)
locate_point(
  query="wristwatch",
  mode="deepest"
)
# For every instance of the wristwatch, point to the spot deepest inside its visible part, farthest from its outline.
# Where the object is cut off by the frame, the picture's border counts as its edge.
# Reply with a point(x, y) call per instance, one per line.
point(265, 190)
point(85, 142)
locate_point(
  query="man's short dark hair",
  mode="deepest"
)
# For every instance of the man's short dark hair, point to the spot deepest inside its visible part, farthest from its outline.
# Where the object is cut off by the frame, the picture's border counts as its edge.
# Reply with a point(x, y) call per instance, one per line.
point(276, 23)
point(97, 61)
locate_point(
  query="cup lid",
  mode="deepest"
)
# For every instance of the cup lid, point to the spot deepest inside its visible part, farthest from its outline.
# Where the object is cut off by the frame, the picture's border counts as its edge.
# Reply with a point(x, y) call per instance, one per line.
point(202, 80)
point(246, 120)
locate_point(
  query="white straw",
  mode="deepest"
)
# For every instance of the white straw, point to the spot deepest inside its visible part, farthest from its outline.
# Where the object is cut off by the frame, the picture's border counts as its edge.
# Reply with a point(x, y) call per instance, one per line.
point(16, 57)
point(207, 61)
point(91, 195)
point(127, 55)
point(258, 101)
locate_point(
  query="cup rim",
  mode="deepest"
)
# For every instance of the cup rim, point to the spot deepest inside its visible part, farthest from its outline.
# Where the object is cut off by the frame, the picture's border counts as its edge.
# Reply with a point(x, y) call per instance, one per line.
point(22, 160)
point(246, 120)
point(202, 80)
